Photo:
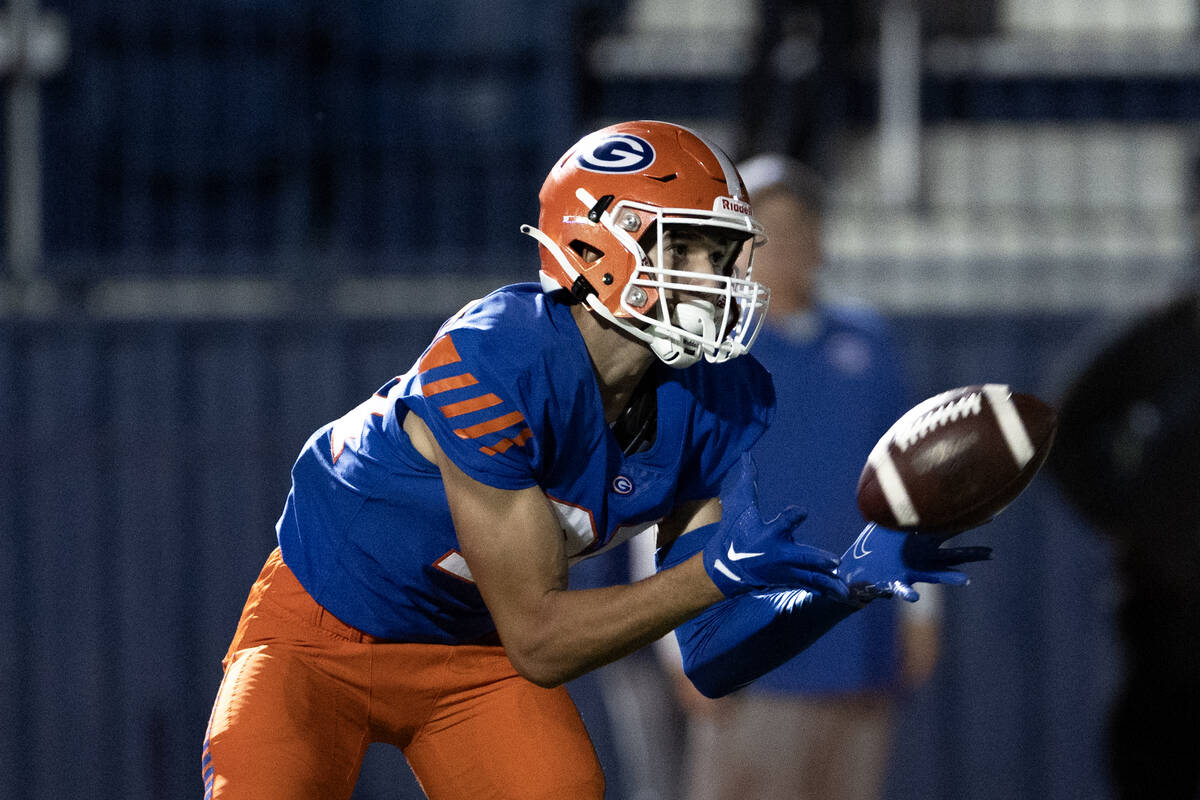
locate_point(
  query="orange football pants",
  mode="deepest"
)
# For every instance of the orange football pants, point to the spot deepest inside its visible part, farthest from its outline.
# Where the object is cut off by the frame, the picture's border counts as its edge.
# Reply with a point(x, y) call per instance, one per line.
point(304, 694)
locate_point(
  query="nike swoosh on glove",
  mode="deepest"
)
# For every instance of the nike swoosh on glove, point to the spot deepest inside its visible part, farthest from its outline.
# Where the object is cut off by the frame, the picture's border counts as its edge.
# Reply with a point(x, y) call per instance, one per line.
point(745, 554)
point(886, 563)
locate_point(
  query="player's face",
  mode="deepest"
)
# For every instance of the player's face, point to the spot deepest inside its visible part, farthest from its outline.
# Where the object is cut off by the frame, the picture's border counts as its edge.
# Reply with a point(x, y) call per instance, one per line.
point(697, 250)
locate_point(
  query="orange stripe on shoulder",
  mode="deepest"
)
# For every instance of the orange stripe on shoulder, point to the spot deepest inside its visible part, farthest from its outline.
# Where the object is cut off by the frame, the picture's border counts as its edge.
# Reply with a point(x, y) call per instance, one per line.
point(441, 353)
point(491, 426)
point(467, 406)
point(446, 384)
point(504, 444)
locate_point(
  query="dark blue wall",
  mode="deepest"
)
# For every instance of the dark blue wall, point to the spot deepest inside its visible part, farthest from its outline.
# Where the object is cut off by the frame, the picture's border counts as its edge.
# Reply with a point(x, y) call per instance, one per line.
point(145, 465)
point(207, 136)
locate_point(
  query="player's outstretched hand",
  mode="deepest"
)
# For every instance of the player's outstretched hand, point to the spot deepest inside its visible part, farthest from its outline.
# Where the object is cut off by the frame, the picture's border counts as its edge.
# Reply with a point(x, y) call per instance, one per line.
point(745, 554)
point(886, 563)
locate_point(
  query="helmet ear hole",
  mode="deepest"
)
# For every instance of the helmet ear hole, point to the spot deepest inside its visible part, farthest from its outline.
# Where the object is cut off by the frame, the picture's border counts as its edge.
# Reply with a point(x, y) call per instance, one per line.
point(586, 252)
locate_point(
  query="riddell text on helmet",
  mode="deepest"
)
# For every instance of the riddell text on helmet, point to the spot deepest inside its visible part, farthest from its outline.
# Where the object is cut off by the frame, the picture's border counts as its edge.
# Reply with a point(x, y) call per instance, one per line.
point(730, 204)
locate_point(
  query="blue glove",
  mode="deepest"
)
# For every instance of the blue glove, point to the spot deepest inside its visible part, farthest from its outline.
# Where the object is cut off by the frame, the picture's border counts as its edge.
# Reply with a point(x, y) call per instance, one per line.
point(745, 554)
point(886, 563)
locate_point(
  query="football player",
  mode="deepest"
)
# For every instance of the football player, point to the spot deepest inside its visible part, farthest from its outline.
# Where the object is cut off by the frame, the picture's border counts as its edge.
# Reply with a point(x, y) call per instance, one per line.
point(419, 594)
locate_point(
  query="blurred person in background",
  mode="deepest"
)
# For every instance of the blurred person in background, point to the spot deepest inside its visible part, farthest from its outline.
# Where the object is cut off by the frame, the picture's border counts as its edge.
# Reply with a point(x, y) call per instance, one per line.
point(1127, 455)
point(820, 726)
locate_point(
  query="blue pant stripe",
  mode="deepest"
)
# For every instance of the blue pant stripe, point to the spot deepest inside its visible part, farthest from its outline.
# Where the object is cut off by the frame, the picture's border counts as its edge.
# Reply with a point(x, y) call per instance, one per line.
point(208, 771)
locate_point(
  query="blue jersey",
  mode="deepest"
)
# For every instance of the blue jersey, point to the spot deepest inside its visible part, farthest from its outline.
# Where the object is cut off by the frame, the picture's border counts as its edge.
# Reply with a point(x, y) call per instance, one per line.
point(839, 388)
point(508, 391)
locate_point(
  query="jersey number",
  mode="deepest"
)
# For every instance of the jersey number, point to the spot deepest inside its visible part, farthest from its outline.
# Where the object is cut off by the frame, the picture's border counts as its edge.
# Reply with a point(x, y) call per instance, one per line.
point(579, 530)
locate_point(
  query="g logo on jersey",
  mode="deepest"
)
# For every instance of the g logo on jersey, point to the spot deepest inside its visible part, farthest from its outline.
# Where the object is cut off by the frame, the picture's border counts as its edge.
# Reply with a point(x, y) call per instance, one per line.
point(622, 152)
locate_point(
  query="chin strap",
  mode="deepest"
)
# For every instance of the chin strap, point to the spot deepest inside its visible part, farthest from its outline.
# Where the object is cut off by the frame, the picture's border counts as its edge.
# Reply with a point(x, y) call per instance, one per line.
point(580, 287)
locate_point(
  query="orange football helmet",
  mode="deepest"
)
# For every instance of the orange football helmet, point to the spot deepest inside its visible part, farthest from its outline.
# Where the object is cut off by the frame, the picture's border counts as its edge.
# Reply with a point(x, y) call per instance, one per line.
point(618, 190)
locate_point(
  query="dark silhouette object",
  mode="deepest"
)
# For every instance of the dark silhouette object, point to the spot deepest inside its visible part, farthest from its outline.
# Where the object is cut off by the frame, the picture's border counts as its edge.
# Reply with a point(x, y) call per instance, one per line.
point(1128, 456)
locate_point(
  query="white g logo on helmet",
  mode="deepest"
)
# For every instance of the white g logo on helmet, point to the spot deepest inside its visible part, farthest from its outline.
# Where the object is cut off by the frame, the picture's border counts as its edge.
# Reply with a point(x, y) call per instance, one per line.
point(617, 153)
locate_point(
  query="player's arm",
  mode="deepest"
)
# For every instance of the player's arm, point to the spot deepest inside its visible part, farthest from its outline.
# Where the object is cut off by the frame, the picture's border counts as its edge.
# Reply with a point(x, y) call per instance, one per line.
point(514, 546)
point(749, 633)
point(754, 631)
point(758, 625)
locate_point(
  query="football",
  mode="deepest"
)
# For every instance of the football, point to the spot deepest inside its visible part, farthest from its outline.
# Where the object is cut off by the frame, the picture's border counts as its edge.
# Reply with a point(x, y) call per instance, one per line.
point(956, 460)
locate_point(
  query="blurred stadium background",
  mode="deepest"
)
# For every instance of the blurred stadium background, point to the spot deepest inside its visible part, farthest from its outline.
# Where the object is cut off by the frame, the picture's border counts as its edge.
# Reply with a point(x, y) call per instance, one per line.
point(227, 221)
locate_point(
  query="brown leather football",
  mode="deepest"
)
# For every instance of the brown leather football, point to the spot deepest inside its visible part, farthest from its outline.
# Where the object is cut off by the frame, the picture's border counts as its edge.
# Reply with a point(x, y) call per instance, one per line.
point(956, 460)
